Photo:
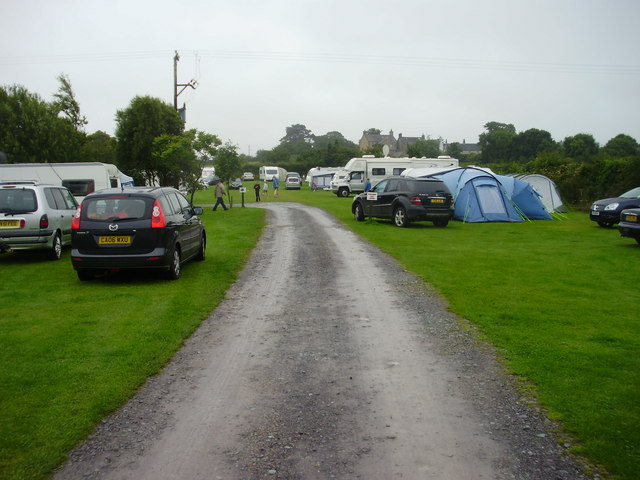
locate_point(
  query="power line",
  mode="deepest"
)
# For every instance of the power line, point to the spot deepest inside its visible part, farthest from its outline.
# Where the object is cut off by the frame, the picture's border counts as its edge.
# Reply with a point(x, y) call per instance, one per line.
point(355, 59)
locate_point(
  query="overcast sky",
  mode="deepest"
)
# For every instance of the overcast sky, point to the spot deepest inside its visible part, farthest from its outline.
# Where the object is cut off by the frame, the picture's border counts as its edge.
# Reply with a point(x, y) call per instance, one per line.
point(442, 68)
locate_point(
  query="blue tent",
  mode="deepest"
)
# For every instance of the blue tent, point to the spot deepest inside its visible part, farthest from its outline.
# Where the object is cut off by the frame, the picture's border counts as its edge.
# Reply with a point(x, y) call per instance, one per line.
point(482, 196)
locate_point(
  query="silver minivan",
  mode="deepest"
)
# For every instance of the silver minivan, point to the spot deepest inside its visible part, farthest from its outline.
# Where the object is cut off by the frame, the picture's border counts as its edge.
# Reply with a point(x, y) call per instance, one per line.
point(35, 216)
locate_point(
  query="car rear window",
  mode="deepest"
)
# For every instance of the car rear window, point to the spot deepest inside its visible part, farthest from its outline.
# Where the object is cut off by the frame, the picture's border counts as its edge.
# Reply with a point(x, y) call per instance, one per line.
point(18, 200)
point(426, 186)
point(114, 208)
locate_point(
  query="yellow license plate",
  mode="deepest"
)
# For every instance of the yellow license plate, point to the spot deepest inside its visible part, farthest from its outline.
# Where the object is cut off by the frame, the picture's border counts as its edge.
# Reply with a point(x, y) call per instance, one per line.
point(9, 223)
point(115, 240)
point(632, 218)
point(437, 200)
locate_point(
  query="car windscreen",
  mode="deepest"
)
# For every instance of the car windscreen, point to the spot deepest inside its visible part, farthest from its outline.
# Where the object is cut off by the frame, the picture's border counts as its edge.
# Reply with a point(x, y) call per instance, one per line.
point(18, 200)
point(114, 208)
point(633, 193)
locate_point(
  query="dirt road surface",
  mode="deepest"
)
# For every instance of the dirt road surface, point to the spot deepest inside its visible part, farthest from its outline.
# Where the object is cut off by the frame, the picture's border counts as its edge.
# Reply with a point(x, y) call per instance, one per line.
point(326, 360)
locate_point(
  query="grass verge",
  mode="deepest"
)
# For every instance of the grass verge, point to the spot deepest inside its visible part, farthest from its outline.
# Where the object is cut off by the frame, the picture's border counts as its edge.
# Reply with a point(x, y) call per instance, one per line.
point(71, 352)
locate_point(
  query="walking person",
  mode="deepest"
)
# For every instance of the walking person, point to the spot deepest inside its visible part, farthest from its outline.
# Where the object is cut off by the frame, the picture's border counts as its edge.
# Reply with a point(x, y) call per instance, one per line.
point(276, 184)
point(220, 192)
point(367, 185)
point(256, 188)
point(265, 189)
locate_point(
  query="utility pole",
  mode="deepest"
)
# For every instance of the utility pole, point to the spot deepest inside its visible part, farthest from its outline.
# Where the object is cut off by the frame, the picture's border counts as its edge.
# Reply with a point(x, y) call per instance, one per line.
point(193, 83)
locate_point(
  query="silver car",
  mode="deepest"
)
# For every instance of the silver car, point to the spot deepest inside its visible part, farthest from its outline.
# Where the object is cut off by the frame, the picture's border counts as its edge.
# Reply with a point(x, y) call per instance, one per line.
point(35, 216)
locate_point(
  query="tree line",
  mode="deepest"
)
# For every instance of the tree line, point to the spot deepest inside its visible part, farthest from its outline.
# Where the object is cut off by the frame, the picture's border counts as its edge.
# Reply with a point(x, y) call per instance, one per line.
point(152, 145)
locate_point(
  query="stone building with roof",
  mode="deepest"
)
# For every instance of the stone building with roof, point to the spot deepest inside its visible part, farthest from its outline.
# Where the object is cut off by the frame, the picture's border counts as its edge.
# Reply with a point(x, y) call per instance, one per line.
point(397, 147)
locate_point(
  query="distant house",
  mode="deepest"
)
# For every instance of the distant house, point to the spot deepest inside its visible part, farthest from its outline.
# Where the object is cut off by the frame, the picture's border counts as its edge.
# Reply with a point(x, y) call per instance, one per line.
point(400, 146)
point(397, 147)
point(370, 140)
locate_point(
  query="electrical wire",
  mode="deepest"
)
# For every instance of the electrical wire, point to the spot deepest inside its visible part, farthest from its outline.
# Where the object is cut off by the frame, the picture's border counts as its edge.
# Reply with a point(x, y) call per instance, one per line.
point(355, 59)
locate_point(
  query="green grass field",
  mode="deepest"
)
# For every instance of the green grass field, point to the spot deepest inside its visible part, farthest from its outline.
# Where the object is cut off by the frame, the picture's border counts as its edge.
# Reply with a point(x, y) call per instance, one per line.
point(558, 299)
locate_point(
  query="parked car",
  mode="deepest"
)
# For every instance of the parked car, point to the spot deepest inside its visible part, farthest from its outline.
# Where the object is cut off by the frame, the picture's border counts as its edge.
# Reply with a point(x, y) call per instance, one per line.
point(235, 184)
point(247, 176)
point(606, 212)
point(292, 174)
point(629, 225)
point(136, 228)
point(406, 199)
point(292, 183)
point(35, 216)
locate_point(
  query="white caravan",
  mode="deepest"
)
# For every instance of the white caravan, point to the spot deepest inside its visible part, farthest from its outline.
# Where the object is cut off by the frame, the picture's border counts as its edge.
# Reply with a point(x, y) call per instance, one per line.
point(80, 178)
point(320, 177)
point(375, 169)
point(267, 173)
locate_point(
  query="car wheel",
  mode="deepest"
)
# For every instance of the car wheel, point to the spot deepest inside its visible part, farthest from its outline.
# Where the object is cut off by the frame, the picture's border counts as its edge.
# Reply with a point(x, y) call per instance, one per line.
point(343, 192)
point(202, 248)
point(441, 223)
point(400, 217)
point(358, 212)
point(56, 250)
point(174, 270)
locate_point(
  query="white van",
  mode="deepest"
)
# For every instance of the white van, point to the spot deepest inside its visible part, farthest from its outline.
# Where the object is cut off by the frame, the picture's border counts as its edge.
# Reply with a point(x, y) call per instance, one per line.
point(81, 178)
point(357, 170)
point(267, 173)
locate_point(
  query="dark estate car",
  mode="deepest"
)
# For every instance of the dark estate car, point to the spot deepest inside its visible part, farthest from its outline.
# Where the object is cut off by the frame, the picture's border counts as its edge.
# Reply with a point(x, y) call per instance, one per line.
point(606, 212)
point(406, 199)
point(136, 228)
point(629, 225)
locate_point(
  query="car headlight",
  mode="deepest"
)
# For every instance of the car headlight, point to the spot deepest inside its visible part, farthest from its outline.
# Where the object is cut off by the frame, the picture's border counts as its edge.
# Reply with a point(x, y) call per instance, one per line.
point(612, 206)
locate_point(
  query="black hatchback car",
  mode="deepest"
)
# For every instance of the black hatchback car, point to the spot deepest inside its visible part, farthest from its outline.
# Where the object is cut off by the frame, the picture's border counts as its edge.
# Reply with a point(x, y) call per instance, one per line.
point(406, 199)
point(136, 228)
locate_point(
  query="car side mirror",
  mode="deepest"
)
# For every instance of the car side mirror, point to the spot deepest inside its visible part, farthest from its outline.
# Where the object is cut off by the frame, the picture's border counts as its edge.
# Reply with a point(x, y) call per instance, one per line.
point(198, 211)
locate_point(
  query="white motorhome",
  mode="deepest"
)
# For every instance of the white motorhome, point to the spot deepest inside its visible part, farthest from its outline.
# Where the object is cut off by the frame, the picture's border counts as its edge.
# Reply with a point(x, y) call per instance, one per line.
point(357, 170)
point(267, 173)
point(81, 178)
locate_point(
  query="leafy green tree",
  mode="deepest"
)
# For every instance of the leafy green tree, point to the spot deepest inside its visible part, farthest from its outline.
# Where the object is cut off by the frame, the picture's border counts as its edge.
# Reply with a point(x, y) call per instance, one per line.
point(99, 147)
point(621, 146)
point(67, 104)
point(528, 144)
point(497, 142)
point(228, 162)
point(375, 150)
point(428, 148)
point(582, 147)
point(374, 131)
point(31, 129)
point(297, 134)
point(332, 138)
point(174, 161)
point(137, 126)
point(454, 150)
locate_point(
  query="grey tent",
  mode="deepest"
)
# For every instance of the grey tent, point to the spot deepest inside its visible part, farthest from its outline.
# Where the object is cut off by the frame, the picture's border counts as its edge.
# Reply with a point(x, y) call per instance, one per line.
point(546, 188)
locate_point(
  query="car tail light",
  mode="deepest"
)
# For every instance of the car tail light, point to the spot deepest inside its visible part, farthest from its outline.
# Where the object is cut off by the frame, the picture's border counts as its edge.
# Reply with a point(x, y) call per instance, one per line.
point(157, 216)
point(22, 223)
point(44, 221)
point(416, 200)
point(75, 221)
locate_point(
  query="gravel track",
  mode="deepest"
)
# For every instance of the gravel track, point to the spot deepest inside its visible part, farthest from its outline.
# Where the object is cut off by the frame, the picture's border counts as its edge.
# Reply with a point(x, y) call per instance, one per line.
point(326, 360)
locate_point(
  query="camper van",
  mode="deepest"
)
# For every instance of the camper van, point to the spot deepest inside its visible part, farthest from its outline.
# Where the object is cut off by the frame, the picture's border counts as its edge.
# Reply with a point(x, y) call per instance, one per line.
point(357, 170)
point(267, 173)
point(80, 178)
